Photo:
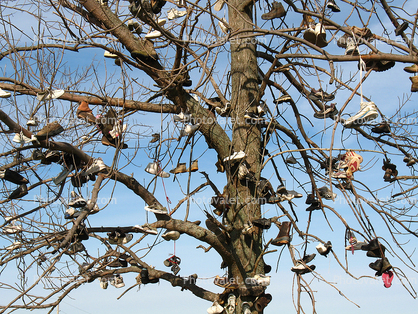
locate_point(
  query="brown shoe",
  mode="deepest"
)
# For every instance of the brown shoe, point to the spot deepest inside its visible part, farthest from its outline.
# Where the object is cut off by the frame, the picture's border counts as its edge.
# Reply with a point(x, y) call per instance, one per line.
point(194, 166)
point(283, 236)
point(276, 11)
point(49, 130)
point(414, 80)
point(113, 142)
point(262, 301)
point(181, 168)
point(411, 69)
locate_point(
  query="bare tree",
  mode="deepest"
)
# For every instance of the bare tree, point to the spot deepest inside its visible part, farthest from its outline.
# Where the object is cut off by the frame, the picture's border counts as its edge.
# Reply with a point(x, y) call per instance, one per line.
point(250, 84)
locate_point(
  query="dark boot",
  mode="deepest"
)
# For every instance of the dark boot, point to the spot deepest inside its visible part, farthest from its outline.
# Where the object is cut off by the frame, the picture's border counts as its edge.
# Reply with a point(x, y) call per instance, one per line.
point(49, 130)
point(262, 223)
point(283, 236)
point(262, 302)
point(276, 11)
point(19, 192)
point(13, 176)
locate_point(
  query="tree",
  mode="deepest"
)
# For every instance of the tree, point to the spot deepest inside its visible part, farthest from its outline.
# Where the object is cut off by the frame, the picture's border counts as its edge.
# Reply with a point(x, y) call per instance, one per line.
point(245, 92)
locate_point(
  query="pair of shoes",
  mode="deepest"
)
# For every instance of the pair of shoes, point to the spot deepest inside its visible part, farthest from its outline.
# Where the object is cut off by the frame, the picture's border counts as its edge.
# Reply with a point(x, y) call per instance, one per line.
point(320, 95)
point(324, 249)
point(117, 281)
point(328, 111)
point(368, 112)
point(283, 237)
point(134, 26)
point(316, 36)
point(276, 11)
point(381, 266)
point(20, 138)
point(46, 95)
point(409, 160)
point(155, 169)
point(156, 209)
point(181, 168)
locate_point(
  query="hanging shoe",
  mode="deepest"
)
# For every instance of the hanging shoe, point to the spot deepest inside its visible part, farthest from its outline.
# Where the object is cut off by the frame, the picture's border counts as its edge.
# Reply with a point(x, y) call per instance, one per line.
point(381, 128)
point(401, 28)
point(4, 94)
point(194, 166)
point(291, 160)
point(155, 138)
point(310, 35)
point(181, 168)
point(62, 175)
point(333, 6)
point(282, 99)
point(182, 117)
point(76, 200)
point(219, 5)
point(171, 235)
point(104, 282)
point(21, 191)
point(174, 14)
point(414, 86)
point(215, 308)
point(189, 129)
point(155, 169)
point(262, 223)
point(154, 34)
point(411, 69)
point(324, 249)
point(387, 278)
point(283, 237)
point(156, 209)
point(326, 193)
point(235, 156)
point(321, 36)
point(328, 111)
point(262, 301)
point(276, 11)
point(352, 49)
point(33, 121)
point(368, 112)
point(320, 95)
point(96, 166)
point(134, 26)
point(110, 55)
point(49, 130)
point(223, 25)
point(302, 269)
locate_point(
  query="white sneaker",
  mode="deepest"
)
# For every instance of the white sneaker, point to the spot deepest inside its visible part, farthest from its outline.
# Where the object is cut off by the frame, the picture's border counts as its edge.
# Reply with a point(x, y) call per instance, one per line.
point(4, 94)
point(76, 200)
point(262, 280)
point(189, 129)
point(357, 246)
point(235, 156)
point(12, 229)
point(368, 112)
point(118, 130)
point(97, 166)
point(156, 209)
point(174, 14)
point(153, 35)
point(215, 308)
point(15, 245)
point(55, 94)
point(230, 307)
point(95, 207)
point(104, 282)
point(181, 117)
point(108, 54)
point(33, 121)
point(222, 24)
point(154, 168)
point(351, 49)
point(20, 138)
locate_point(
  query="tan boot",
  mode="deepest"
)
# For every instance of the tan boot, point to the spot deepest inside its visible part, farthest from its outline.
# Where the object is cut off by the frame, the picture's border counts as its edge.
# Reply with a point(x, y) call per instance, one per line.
point(414, 80)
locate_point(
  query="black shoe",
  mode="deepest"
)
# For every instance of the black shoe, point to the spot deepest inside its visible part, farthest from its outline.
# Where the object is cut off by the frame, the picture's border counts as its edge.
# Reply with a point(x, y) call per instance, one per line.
point(262, 223)
point(21, 191)
point(401, 28)
point(333, 6)
point(381, 128)
point(13, 176)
